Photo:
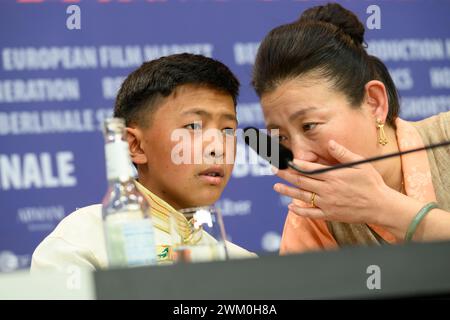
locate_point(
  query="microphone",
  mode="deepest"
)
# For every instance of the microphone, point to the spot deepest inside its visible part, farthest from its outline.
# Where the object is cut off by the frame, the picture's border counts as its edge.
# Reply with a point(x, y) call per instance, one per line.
point(282, 158)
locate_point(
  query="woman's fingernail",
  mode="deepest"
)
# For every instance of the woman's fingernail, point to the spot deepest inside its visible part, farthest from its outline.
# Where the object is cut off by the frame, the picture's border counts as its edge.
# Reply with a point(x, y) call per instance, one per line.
point(276, 188)
point(332, 145)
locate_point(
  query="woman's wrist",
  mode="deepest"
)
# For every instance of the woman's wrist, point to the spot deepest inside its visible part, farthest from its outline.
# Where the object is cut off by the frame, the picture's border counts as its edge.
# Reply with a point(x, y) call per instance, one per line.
point(397, 211)
point(416, 221)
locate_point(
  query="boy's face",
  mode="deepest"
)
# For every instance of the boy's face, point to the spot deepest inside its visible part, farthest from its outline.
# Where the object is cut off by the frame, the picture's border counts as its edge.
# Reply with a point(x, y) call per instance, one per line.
point(189, 147)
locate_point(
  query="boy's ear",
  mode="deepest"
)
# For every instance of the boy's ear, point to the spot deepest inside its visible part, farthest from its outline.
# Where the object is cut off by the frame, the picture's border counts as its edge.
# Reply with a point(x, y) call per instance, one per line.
point(134, 137)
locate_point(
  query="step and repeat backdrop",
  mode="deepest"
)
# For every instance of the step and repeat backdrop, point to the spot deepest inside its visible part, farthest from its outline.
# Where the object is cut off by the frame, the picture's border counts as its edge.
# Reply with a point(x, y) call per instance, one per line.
point(62, 62)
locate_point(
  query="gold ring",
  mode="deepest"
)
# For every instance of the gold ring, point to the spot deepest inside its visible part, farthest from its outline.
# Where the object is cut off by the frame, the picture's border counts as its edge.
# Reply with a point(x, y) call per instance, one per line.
point(313, 197)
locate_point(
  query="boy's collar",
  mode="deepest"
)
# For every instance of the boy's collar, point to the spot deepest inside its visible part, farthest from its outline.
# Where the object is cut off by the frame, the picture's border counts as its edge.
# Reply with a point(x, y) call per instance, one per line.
point(154, 200)
point(161, 211)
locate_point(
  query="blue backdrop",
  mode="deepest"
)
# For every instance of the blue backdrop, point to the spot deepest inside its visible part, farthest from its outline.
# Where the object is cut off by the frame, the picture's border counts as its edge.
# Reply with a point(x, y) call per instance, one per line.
point(58, 84)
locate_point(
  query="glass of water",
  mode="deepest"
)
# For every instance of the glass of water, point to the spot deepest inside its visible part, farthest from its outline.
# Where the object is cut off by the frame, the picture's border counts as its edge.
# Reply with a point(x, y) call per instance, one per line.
point(198, 235)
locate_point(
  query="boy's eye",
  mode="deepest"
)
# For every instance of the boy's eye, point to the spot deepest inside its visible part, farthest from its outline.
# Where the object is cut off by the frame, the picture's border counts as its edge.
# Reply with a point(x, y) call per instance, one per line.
point(229, 131)
point(194, 126)
point(309, 126)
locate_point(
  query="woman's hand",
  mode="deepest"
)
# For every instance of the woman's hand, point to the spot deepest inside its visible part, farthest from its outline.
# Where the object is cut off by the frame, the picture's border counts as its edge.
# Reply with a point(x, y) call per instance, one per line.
point(352, 195)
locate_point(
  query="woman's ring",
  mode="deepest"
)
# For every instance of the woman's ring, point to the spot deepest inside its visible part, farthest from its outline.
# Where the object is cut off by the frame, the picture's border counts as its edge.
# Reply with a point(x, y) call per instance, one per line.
point(313, 197)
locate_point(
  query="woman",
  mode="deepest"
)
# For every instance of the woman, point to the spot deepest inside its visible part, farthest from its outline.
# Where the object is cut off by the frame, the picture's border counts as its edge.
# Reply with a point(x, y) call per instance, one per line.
point(330, 102)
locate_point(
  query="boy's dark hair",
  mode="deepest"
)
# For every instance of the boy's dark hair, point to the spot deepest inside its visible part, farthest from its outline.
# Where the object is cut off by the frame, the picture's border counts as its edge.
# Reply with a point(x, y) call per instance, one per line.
point(328, 41)
point(153, 80)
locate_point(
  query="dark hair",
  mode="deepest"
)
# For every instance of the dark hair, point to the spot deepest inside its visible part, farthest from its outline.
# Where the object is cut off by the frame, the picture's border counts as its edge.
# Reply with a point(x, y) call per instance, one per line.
point(327, 41)
point(142, 89)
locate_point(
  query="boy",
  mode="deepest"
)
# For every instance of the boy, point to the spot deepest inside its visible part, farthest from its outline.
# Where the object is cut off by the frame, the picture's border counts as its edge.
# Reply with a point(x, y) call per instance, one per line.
point(183, 92)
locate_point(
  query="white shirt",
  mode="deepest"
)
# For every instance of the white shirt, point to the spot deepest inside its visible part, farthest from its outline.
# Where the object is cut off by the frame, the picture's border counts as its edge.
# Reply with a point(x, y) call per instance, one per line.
point(78, 240)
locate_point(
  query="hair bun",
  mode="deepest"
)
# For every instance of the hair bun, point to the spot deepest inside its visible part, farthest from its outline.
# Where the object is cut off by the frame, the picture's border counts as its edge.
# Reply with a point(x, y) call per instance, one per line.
point(337, 15)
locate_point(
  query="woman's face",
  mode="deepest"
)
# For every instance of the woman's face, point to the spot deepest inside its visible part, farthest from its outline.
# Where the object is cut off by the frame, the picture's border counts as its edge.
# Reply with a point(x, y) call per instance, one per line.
point(309, 113)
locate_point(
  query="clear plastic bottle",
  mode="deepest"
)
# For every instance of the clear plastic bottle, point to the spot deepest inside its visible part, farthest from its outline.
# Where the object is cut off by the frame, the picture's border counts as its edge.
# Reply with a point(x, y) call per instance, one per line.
point(128, 227)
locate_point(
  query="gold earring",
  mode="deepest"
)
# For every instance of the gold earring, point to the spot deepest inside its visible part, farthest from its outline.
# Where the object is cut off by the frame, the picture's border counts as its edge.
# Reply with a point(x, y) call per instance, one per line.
point(382, 139)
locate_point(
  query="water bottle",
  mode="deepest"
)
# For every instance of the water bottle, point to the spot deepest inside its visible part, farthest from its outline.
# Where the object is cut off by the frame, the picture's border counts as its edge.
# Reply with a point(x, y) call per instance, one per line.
point(126, 214)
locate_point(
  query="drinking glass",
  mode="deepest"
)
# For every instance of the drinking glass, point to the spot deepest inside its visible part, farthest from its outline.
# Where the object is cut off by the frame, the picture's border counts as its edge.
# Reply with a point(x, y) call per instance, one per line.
point(198, 235)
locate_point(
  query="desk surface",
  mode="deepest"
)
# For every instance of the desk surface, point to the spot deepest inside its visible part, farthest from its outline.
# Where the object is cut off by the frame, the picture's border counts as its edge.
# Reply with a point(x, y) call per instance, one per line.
point(413, 270)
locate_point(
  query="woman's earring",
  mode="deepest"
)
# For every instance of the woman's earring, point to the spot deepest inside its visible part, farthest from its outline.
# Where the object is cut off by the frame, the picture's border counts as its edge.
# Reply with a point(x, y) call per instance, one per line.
point(382, 139)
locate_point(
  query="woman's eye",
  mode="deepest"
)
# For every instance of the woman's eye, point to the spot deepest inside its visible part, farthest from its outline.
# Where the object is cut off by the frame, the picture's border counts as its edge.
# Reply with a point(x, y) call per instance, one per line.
point(229, 131)
point(275, 134)
point(193, 126)
point(309, 126)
